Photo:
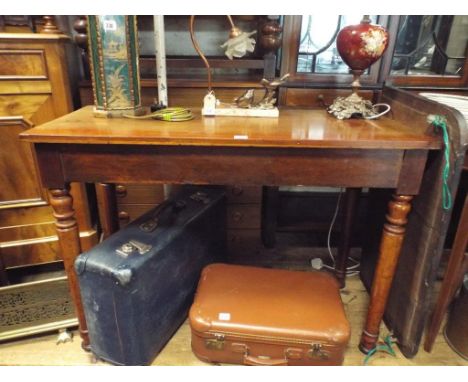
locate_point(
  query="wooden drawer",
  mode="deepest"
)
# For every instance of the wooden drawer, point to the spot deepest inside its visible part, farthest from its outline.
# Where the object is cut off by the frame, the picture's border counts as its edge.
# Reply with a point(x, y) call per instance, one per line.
point(318, 97)
point(243, 195)
point(129, 212)
point(139, 193)
point(243, 243)
point(244, 216)
point(40, 250)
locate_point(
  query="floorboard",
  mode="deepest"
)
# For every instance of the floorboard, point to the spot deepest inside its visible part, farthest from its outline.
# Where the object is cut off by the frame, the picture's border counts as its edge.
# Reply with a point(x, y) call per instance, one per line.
point(43, 350)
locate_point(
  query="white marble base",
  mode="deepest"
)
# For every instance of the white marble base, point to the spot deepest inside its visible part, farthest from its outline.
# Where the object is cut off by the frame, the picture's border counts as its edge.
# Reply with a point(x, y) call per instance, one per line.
point(240, 112)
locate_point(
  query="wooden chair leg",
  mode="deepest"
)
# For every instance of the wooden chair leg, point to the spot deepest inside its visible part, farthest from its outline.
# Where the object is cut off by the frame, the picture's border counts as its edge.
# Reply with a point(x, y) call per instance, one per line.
point(452, 279)
point(350, 206)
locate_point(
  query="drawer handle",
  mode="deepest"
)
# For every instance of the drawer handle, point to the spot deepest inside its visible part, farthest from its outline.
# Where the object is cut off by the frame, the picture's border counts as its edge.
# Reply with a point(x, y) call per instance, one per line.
point(321, 100)
point(121, 190)
point(124, 216)
point(237, 216)
point(236, 191)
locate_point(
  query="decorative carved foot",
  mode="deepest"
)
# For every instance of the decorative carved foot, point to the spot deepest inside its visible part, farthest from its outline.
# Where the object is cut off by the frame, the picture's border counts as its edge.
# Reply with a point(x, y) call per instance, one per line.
point(70, 247)
point(390, 247)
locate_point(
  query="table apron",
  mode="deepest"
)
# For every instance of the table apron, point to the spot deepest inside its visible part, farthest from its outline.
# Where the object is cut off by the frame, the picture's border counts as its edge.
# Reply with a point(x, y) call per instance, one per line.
point(62, 163)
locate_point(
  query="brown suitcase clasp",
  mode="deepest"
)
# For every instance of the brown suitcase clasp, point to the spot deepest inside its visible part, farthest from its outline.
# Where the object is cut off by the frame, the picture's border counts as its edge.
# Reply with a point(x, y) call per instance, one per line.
point(317, 351)
point(216, 343)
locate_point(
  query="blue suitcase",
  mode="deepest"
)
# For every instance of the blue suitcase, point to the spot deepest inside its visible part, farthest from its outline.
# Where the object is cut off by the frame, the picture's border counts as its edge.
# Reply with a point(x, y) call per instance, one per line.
point(137, 285)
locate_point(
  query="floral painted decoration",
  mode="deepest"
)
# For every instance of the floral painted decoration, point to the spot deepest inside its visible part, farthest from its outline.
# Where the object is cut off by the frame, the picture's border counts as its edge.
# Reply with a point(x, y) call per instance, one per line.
point(361, 45)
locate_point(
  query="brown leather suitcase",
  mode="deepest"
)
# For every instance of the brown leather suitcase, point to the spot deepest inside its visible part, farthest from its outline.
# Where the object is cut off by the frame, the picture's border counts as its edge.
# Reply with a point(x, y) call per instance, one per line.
point(257, 316)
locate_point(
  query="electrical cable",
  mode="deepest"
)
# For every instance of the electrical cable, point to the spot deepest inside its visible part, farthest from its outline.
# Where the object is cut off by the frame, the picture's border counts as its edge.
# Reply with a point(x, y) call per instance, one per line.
point(351, 270)
point(169, 114)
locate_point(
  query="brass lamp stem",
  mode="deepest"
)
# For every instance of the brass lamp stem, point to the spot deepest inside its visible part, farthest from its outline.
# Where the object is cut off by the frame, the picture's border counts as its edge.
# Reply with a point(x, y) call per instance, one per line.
point(230, 20)
point(200, 53)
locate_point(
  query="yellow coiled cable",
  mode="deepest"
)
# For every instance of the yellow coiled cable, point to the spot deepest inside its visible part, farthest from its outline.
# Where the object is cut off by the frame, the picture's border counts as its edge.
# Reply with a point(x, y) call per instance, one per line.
point(169, 114)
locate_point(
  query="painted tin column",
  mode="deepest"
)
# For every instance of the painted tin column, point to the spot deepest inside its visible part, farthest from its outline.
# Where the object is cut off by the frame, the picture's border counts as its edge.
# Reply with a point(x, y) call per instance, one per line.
point(113, 56)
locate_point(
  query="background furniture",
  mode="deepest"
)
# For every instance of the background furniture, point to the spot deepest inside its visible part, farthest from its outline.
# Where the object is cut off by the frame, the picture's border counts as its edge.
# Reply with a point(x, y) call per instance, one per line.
point(453, 278)
point(34, 88)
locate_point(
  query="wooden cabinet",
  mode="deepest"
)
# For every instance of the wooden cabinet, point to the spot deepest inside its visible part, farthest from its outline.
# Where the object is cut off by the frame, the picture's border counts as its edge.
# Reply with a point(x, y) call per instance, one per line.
point(34, 88)
point(425, 52)
point(134, 200)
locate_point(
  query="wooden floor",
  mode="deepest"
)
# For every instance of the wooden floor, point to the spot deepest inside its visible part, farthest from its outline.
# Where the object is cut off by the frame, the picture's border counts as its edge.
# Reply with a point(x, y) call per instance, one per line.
point(42, 350)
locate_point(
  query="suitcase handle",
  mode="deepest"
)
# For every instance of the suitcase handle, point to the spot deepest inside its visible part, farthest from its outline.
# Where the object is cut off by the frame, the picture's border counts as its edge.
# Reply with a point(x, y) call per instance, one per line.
point(264, 361)
point(151, 224)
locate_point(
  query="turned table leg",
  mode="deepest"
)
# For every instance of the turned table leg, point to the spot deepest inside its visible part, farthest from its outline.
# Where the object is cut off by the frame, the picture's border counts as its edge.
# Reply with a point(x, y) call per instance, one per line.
point(351, 201)
point(390, 246)
point(70, 247)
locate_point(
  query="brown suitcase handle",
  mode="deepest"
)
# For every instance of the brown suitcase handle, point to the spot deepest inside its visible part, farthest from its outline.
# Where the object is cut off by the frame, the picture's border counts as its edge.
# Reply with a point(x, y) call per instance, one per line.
point(260, 361)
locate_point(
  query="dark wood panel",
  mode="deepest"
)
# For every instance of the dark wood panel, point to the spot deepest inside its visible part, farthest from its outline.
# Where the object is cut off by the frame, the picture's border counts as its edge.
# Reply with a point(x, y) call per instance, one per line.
point(318, 98)
point(139, 194)
point(180, 95)
point(129, 212)
point(244, 244)
point(222, 165)
point(243, 194)
point(243, 216)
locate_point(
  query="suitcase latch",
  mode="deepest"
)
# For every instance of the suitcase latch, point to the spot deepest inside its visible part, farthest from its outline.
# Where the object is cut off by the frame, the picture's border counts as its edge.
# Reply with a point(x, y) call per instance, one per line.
point(133, 245)
point(200, 197)
point(317, 351)
point(216, 343)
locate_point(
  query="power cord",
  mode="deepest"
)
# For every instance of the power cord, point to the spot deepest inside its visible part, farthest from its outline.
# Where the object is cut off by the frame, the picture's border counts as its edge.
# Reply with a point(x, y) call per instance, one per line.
point(169, 114)
point(317, 263)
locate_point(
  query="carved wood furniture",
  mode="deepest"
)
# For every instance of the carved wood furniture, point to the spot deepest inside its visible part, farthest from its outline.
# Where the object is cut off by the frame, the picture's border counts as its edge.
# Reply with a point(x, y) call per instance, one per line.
point(34, 88)
point(410, 297)
point(306, 147)
point(456, 268)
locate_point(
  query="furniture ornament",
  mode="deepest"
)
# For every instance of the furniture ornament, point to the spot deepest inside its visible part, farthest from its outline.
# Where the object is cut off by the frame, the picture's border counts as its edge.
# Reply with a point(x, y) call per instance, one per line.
point(359, 46)
point(113, 54)
point(238, 44)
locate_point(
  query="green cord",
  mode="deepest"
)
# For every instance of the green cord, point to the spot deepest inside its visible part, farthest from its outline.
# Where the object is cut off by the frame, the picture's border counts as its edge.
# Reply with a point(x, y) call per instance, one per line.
point(440, 122)
point(169, 114)
point(385, 347)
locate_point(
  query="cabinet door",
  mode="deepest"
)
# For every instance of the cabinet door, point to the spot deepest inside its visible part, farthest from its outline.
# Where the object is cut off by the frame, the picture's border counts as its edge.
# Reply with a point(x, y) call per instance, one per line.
point(428, 50)
point(18, 176)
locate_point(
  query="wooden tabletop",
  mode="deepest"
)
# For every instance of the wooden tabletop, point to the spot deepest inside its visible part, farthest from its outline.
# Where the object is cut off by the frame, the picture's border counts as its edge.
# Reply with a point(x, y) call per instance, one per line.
point(294, 128)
